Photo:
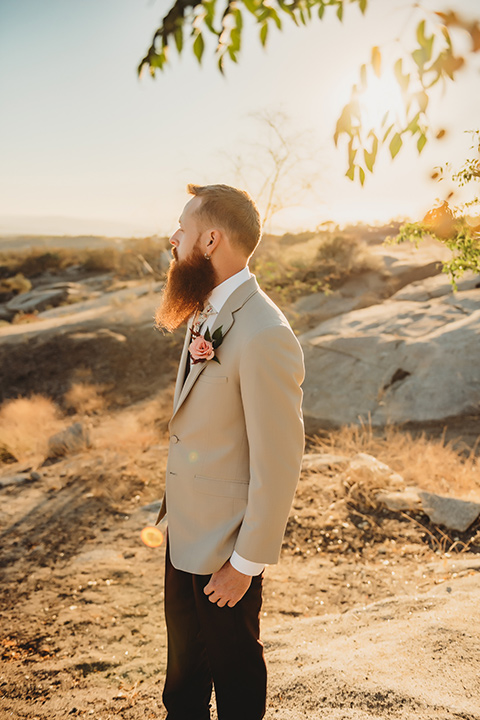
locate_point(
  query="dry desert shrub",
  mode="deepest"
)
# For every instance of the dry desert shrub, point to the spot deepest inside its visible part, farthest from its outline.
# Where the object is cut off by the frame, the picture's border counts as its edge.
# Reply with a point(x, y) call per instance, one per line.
point(431, 464)
point(26, 424)
point(129, 430)
point(85, 398)
point(135, 259)
point(17, 284)
point(320, 264)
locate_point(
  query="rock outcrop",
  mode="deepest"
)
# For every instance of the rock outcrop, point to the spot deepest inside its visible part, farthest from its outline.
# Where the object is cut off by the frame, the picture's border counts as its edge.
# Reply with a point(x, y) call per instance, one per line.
point(412, 358)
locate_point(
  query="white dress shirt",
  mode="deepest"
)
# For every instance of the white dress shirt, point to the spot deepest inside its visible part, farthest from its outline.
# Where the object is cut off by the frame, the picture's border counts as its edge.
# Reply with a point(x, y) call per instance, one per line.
point(217, 300)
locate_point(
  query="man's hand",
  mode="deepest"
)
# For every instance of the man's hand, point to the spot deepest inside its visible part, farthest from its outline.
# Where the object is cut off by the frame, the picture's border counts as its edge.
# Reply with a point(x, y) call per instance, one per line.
point(227, 586)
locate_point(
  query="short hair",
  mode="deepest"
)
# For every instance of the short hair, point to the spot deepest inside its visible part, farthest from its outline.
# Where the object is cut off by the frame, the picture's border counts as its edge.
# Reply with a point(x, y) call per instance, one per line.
point(231, 209)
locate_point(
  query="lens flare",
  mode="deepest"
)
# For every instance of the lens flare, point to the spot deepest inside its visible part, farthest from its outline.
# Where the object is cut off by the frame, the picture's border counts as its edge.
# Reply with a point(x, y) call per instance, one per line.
point(151, 536)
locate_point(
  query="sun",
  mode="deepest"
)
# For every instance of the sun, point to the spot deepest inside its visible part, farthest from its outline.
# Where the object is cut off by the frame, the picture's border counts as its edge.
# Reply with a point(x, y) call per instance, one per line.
point(381, 97)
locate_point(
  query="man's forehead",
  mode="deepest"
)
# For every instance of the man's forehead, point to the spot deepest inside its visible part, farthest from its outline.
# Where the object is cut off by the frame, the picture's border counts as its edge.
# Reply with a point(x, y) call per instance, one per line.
point(190, 208)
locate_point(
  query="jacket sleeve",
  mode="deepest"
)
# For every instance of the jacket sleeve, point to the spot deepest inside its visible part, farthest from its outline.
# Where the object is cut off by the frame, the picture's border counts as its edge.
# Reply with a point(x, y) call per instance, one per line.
point(271, 373)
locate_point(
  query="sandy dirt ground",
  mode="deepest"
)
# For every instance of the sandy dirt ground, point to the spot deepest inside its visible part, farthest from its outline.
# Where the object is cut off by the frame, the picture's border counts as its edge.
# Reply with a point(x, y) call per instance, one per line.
point(370, 615)
point(355, 625)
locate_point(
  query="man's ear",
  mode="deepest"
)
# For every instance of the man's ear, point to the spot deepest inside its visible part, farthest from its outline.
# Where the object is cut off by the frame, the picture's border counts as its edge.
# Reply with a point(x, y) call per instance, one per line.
point(213, 241)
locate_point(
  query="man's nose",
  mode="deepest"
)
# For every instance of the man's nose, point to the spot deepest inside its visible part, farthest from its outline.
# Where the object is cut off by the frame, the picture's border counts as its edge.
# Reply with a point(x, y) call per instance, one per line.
point(174, 240)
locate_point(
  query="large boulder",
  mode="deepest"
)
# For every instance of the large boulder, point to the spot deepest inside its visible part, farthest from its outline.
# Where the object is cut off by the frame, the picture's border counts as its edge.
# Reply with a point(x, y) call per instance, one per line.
point(400, 361)
point(399, 270)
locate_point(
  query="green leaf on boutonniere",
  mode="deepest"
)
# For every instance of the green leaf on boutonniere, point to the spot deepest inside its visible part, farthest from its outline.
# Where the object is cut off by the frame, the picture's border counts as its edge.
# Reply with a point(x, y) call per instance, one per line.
point(207, 335)
point(217, 336)
point(215, 359)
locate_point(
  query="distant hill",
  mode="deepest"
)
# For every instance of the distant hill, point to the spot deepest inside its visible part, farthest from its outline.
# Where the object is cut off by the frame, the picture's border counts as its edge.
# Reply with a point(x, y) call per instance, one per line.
point(79, 242)
point(29, 225)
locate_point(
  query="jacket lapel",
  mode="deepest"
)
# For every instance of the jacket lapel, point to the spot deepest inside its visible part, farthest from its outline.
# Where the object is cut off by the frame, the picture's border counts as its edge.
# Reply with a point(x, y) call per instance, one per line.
point(182, 368)
point(225, 320)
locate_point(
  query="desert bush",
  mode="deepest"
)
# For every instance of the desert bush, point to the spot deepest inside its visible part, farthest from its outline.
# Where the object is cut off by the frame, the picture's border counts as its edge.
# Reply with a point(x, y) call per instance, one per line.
point(26, 424)
point(128, 431)
point(288, 276)
point(36, 263)
point(85, 398)
point(101, 260)
point(434, 465)
point(137, 258)
point(16, 285)
point(296, 238)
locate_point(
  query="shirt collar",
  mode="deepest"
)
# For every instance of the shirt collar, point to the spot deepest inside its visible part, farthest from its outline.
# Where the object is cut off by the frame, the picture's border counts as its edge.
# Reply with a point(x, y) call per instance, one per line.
point(220, 294)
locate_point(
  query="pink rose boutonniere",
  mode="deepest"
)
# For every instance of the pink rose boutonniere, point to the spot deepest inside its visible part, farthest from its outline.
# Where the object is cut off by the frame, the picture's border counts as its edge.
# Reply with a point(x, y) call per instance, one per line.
point(202, 347)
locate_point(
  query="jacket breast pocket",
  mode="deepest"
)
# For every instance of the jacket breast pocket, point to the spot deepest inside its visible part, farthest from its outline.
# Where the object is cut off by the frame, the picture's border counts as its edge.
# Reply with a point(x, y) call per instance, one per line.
point(212, 379)
point(221, 488)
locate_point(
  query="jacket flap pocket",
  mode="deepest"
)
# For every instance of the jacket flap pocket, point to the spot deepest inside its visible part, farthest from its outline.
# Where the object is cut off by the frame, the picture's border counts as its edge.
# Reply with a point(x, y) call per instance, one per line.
point(213, 379)
point(221, 488)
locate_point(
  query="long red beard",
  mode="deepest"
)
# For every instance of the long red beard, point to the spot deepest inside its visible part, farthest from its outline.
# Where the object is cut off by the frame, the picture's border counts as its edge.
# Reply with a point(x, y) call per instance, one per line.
point(189, 283)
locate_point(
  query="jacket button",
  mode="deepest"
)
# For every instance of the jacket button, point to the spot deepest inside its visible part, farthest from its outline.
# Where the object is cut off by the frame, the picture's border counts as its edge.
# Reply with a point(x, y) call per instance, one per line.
point(175, 439)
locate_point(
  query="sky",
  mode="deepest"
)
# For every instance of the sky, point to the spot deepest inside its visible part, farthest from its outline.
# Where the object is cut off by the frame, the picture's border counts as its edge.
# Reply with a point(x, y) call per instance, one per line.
point(86, 147)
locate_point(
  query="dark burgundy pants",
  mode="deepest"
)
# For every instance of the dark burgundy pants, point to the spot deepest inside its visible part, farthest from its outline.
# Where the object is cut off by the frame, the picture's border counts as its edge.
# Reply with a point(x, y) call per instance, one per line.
point(209, 645)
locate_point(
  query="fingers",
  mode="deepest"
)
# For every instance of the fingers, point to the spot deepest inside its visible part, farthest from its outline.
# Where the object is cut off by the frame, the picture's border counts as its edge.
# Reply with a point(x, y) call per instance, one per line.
point(219, 599)
point(227, 586)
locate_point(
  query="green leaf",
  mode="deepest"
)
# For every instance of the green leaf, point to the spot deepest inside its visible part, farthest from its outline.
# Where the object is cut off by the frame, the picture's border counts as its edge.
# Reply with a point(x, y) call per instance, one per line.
point(370, 157)
point(251, 5)
point(215, 359)
point(238, 19)
point(421, 34)
point(447, 37)
point(363, 6)
point(232, 53)
point(387, 132)
point(351, 153)
point(422, 100)
point(419, 57)
point(217, 336)
point(198, 47)
point(209, 6)
point(398, 70)
point(274, 15)
point(340, 12)
point(178, 36)
point(377, 61)
point(362, 176)
point(413, 124)
point(429, 47)
point(234, 40)
point(351, 172)
point(363, 76)
point(421, 142)
point(264, 33)
point(395, 145)
point(321, 11)
point(344, 123)
point(207, 335)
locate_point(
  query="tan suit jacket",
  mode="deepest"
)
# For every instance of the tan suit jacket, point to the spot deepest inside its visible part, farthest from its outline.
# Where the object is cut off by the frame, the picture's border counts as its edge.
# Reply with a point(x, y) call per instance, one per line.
point(236, 439)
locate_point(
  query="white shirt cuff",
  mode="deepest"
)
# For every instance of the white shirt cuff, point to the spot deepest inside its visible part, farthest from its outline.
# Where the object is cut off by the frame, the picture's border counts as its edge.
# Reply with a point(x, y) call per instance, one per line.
point(245, 566)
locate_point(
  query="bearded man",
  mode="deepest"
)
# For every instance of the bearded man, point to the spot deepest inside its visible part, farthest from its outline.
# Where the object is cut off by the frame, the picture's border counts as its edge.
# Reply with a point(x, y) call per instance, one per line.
point(236, 445)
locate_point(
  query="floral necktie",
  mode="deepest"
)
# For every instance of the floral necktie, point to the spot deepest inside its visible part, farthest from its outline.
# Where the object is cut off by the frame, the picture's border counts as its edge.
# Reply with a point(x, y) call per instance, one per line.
point(201, 316)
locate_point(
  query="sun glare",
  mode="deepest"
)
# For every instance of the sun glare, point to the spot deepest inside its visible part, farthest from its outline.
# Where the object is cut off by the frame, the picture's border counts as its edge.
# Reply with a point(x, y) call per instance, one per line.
point(382, 95)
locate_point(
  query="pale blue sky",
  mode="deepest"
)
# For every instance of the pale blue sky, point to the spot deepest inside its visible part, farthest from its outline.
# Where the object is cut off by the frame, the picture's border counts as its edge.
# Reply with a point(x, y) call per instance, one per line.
point(82, 139)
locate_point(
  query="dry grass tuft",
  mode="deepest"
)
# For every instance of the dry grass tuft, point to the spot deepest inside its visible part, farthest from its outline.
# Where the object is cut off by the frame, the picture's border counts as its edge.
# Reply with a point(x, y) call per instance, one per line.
point(26, 424)
point(319, 264)
point(85, 398)
point(431, 464)
point(129, 430)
